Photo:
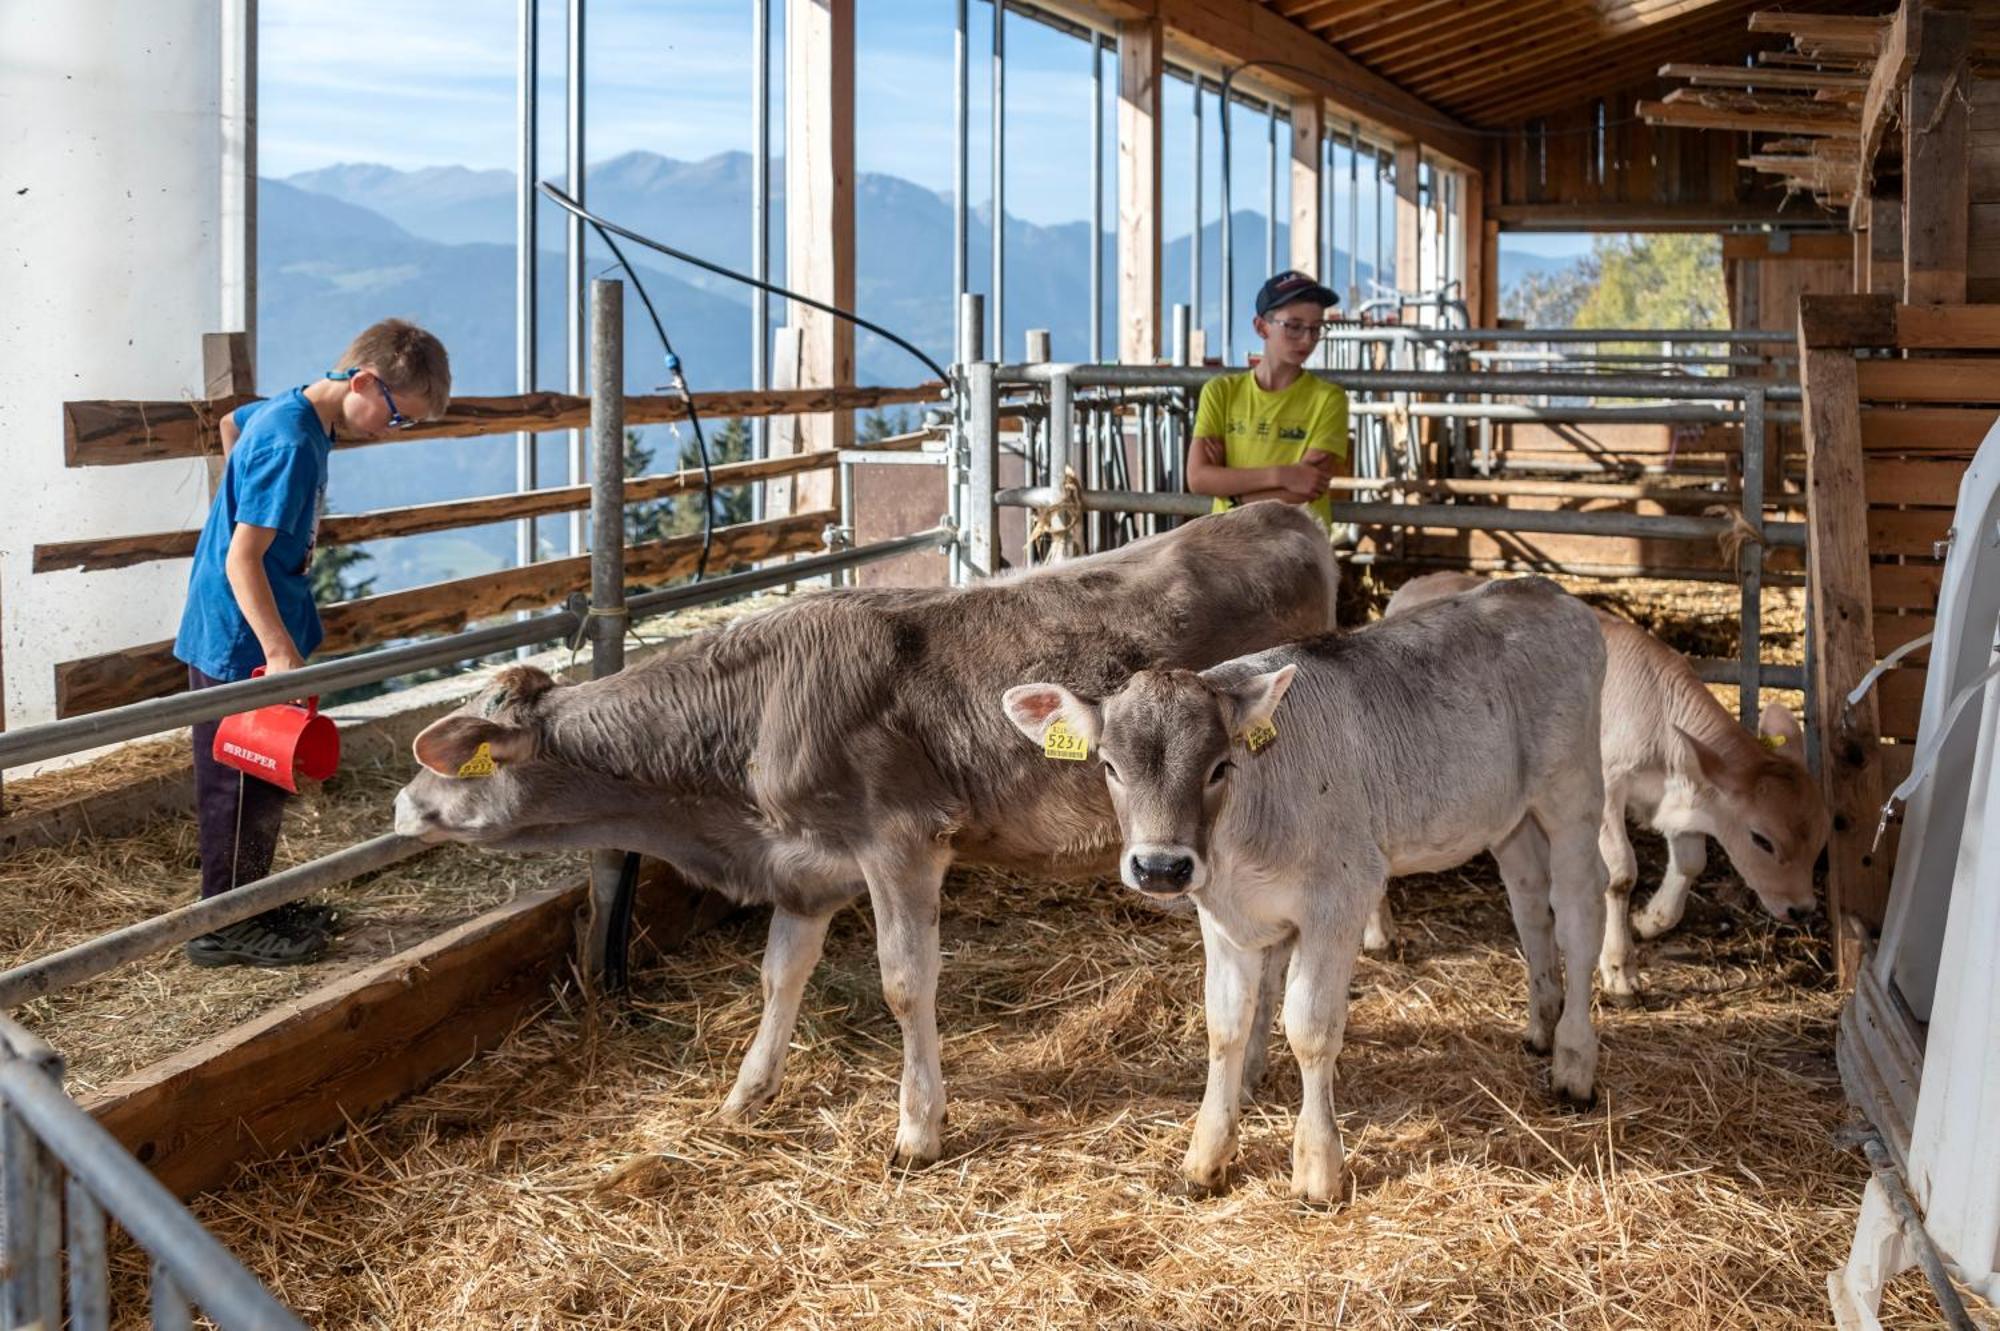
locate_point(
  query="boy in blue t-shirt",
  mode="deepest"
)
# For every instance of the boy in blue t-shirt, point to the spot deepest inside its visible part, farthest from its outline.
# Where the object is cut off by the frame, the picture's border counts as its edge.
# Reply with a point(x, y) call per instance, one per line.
point(250, 601)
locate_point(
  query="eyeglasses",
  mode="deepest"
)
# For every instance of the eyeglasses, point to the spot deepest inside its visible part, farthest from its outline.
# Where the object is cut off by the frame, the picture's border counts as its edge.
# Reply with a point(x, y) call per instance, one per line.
point(397, 420)
point(1297, 328)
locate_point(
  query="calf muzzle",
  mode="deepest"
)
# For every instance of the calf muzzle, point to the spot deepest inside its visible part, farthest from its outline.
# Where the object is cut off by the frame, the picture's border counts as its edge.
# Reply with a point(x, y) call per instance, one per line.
point(1160, 873)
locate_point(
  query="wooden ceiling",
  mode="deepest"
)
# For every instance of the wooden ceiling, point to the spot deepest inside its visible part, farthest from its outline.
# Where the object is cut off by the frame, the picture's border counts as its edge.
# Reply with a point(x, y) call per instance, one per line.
point(1492, 63)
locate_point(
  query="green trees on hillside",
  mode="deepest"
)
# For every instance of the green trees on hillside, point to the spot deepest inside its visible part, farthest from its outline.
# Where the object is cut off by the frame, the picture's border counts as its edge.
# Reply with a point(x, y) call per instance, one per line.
point(1636, 281)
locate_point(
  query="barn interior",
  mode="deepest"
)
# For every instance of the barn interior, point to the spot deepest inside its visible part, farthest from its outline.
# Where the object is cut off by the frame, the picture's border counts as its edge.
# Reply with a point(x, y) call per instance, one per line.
point(494, 1104)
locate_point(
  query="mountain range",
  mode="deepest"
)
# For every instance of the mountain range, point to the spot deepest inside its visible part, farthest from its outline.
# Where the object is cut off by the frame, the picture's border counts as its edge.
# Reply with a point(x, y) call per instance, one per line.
point(344, 245)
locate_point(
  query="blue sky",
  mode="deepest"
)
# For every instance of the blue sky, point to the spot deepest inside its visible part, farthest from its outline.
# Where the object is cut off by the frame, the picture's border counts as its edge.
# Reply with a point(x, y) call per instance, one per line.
point(433, 84)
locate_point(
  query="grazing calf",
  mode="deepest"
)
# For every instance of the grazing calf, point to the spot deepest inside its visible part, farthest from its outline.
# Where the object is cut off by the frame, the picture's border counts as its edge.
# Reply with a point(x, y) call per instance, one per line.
point(846, 743)
point(1674, 759)
point(1280, 792)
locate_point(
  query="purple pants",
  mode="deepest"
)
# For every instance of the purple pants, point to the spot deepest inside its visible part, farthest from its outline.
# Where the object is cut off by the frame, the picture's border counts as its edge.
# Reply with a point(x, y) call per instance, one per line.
point(238, 815)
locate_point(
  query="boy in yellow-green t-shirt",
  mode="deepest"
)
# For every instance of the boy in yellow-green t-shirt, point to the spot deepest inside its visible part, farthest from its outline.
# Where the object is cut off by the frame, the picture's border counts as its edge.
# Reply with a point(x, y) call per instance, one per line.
point(1274, 432)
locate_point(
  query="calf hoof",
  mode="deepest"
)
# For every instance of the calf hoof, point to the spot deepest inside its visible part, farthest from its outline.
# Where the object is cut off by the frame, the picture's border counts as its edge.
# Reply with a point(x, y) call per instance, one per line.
point(746, 1103)
point(1620, 986)
point(1574, 1078)
point(1205, 1176)
point(1536, 1045)
point(920, 1155)
point(1318, 1179)
point(1648, 925)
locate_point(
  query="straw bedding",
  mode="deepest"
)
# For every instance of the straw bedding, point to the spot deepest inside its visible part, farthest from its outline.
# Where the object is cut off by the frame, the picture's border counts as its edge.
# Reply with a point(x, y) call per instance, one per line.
point(577, 1177)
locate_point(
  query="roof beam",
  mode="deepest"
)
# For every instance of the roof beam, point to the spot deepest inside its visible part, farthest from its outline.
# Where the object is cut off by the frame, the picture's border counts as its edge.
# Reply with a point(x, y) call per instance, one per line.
point(1892, 74)
point(1464, 83)
point(1830, 32)
point(1752, 115)
point(1580, 76)
point(1745, 76)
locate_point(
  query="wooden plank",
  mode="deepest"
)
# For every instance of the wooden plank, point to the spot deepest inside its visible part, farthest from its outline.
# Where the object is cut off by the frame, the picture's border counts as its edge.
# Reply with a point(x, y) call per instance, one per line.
point(1934, 431)
point(1540, 548)
point(1847, 28)
point(1842, 628)
point(1949, 327)
point(1639, 214)
point(1910, 586)
point(1804, 245)
point(1141, 49)
point(1884, 272)
point(1308, 226)
point(93, 683)
point(305, 1070)
point(1914, 481)
point(1805, 118)
point(347, 529)
point(1936, 193)
point(109, 433)
point(1743, 76)
point(1936, 379)
point(819, 215)
point(1409, 214)
point(1893, 630)
point(1906, 531)
point(1848, 321)
point(1884, 101)
point(1902, 693)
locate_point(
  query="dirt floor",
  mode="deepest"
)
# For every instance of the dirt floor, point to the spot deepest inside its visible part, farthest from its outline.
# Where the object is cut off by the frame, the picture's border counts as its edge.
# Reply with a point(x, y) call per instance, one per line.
point(578, 1178)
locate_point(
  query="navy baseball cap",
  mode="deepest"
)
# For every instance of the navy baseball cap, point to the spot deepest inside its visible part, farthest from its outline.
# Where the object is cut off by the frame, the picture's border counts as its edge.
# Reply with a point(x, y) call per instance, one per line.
point(1292, 285)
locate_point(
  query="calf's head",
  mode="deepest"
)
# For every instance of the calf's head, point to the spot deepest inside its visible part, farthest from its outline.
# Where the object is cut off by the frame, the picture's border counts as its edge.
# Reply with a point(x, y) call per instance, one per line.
point(482, 776)
point(1768, 813)
point(1168, 743)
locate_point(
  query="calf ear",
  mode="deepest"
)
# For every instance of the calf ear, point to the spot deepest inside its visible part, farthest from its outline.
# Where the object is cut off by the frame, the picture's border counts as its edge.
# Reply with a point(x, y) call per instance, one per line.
point(1251, 705)
point(1779, 730)
point(1032, 707)
point(1715, 769)
point(447, 746)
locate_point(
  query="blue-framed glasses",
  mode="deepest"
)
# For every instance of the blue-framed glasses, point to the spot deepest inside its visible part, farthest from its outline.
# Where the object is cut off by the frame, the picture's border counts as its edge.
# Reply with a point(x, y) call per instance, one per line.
point(397, 420)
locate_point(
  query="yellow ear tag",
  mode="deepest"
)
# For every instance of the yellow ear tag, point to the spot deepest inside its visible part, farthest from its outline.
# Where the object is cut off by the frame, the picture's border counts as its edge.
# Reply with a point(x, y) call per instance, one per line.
point(480, 763)
point(1259, 735)
point(1059, 741)
point(1771, 741)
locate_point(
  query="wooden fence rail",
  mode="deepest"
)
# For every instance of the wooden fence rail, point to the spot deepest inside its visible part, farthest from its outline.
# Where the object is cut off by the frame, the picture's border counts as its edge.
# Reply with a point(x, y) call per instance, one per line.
point(347, 529)
point(95, 682)
point(97, 434)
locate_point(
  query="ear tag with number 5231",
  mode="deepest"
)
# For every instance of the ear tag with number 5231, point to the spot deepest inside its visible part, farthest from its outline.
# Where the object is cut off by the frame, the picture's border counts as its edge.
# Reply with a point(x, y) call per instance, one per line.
point(1059, 741)
point(480, 763)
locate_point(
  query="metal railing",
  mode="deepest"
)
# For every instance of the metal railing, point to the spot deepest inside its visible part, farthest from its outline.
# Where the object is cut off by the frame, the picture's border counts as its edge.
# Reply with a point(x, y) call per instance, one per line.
point(61, 1176)
point(1103, 423)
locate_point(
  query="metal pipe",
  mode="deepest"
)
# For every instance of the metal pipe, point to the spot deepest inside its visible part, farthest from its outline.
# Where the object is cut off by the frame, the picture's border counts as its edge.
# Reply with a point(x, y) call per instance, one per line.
point(574, 256)
point(1416, 381)
point(999, 175)
point(1096, 195)
point(1615, 358)
point(1062, 455)
point(607, 478)
point(760, 229)
point(1353, 213)
point(527, 172)
point(31, 1294)
point(961, 146)
point(1720, 672)
point(971, 331)
point(1182, 348)
point(89, 1268)
point(95, 956)
point(1750, 562)
point(1194, 234)
point(144, 1208)
point(1451, 517)
point(1381, 176)
point(1270, 211)
point(1890, 1180)
point(944, 536)
point(982, 527)
point(1655, 414)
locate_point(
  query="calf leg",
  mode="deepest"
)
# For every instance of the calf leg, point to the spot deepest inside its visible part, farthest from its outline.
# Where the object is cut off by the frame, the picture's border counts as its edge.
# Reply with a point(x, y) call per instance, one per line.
point(1234, 976)
point(1615, 967)
point(790, 955)
point(1523, 856)
point(904, 886)
point(1315, 1024)
point(1576, 893)
point(1687, 856)
point(1270, 993)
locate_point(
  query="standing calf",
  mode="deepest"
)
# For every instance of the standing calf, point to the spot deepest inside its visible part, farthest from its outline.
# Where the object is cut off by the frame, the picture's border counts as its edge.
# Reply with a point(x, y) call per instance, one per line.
point(1675, 759)
point(846, 743)
point(1280, 792)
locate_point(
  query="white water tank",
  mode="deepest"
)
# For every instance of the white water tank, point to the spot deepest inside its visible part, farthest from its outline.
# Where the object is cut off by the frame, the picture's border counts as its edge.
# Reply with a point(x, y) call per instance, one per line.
point(111, 244)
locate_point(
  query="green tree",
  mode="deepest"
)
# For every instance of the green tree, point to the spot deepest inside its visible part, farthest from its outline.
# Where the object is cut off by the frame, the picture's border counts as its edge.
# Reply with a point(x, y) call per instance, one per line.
point(877, 425)
point(334, 577)
point(1552, 299)
point(653, 519)
point(1657, 281)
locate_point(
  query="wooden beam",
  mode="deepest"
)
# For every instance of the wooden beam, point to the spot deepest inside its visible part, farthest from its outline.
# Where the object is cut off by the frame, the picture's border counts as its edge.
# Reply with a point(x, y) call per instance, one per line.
point(1308, 226)
point(1798, 117)
point(109, 433)
point(1472, 227)
point(337, 1054)
point(1848, 321)
point(1469, 79)
point(1811, 246)
point(1937, 122)
point(1882, 273)
point(347, 529)
point(93, 683)
point(819, 214)
point(1141, 72)
point(1741, 76)
point(1409, 218)
point(1884, 100)
point(1831, 31)
point(1637, 215)
point(1962, 327)
point(1842, 623)
point(1298, 60)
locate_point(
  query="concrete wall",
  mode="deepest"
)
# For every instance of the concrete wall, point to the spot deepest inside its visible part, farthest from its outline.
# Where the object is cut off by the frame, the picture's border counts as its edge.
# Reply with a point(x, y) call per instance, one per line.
point(111, 156)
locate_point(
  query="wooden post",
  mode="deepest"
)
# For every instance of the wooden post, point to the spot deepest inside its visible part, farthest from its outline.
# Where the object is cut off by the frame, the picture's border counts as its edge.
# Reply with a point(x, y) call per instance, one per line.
point(819, 211)
point(781, 497)
point(1937, 121)
point(1141, 68)
point(1409, 215)
point(1842, 631)
point(226, 370)
point(1472, 226)
point(1308, 226)
point(1883, 271)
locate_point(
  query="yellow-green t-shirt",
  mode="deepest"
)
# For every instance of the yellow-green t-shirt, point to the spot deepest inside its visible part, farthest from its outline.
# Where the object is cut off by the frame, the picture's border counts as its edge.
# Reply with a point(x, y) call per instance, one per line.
point(1260, 429)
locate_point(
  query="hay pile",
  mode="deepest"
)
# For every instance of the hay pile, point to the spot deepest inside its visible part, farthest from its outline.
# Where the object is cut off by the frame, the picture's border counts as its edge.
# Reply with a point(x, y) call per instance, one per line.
point(577, 1177)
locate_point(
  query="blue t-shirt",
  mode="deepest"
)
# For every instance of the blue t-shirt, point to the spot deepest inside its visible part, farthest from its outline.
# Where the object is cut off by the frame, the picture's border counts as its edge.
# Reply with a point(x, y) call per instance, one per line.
point(276, 477)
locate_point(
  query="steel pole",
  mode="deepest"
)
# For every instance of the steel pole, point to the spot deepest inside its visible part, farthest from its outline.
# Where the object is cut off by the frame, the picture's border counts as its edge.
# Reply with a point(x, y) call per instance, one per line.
point(1353, 214)
point(527, 171)
point(999, 176)
point(1097, 196)
point(605, 937)
point(760, 231)
point(1194, 235)
point(579, 442)
point(961, 150)
point(1750, 562)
